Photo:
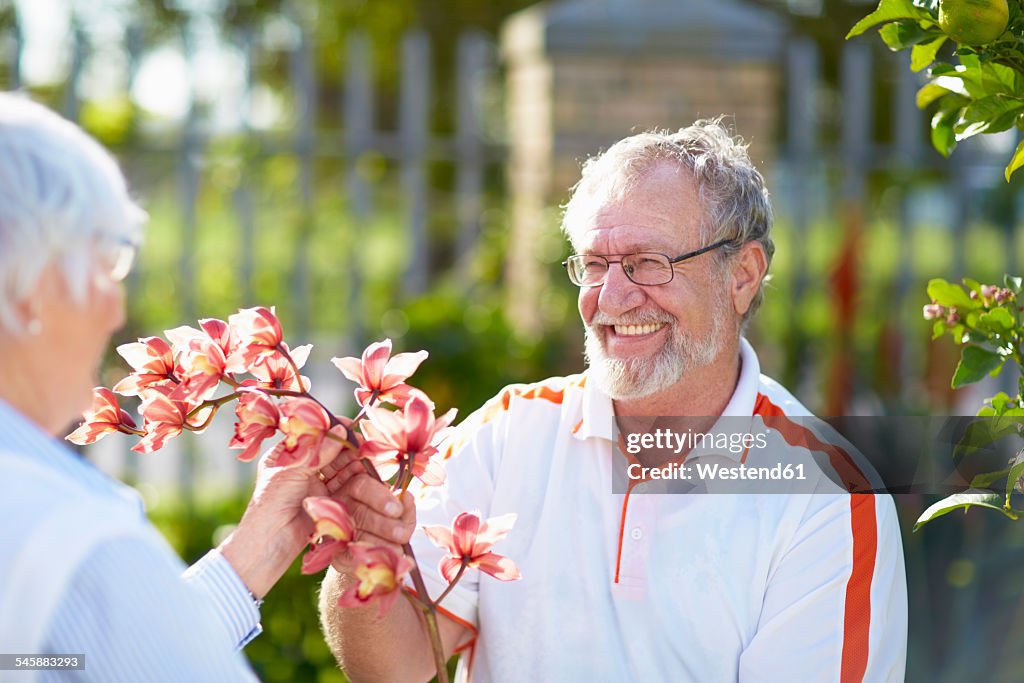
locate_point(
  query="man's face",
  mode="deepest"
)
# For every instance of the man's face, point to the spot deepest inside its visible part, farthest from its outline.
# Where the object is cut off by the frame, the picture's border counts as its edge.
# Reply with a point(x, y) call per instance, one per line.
point(643, 339)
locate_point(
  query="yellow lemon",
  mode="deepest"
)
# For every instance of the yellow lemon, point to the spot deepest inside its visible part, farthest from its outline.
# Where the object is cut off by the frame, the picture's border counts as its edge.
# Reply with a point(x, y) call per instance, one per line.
point(973, 22)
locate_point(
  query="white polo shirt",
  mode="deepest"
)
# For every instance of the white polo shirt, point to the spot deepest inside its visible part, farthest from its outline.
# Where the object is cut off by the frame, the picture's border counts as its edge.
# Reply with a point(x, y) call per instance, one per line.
point(631, 587)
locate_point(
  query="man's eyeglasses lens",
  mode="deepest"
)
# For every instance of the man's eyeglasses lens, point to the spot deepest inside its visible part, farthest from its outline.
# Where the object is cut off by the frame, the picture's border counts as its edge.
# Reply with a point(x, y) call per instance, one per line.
point(588, 270)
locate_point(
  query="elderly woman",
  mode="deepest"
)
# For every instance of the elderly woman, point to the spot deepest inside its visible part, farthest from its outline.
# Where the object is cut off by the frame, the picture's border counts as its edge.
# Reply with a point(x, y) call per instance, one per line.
point(82, 570)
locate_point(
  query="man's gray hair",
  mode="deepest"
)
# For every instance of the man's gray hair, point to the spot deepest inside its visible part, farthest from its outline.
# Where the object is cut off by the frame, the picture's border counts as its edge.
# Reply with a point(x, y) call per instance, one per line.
point(731, 190)
point(61, 196)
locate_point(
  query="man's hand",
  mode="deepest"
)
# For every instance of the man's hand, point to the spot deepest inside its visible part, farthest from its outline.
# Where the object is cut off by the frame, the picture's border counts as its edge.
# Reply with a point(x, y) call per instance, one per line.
point(380, 518)
point(275, 528)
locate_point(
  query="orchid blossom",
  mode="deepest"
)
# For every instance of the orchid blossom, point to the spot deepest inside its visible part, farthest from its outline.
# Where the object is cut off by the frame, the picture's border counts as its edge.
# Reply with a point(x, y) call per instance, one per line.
point(153, 361)
point(380, 375)
point(469, 542)
point(164, 418)
point(276, 372)
point(105, 416)
point(258, 418)
point(406, 438)
point(258, 334)
point(305, 424)
point(333, 531)
point(380, 571)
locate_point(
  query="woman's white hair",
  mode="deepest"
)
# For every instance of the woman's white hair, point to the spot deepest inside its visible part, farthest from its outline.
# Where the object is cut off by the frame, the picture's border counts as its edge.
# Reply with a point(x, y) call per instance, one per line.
point(61, 196)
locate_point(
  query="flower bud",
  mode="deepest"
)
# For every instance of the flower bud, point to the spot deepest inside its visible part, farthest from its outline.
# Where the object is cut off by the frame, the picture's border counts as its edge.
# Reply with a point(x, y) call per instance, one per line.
point(988, 291)
point(953, 318)
point(1003, 295)
point(932, 311)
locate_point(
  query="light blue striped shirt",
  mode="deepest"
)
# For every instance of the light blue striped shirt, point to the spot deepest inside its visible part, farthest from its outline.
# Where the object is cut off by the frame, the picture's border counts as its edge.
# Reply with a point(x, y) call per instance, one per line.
point(130, 606)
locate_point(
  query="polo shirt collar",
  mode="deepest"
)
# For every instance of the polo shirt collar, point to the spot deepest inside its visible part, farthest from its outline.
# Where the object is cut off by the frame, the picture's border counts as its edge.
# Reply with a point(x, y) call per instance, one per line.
point(598, 412)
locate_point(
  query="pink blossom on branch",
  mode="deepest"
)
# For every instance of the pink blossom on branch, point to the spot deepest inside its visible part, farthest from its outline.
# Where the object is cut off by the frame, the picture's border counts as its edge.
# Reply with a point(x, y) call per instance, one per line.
point(163, 418)
point(380, 571)
point(377, 371)
point(257, 333)
point(469, 542)
point(152, 359)
point(202, 366)
point(105, 416)
point(258, 418)
point(333, 530)
point(407, 436)
point(305, 424)
point(275, 372)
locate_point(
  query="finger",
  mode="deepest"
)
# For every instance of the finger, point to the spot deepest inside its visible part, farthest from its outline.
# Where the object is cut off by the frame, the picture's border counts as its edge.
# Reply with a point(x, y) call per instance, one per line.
point(389, 529)
point(408, 508)
point(337, 478)
point(374, 494)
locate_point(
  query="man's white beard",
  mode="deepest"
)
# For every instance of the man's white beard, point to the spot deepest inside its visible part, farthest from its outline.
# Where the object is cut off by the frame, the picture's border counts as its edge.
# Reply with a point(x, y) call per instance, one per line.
point(633, 378)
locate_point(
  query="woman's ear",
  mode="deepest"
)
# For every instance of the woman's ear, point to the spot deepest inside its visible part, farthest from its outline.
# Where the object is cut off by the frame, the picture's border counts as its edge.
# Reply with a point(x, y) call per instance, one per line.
point(748, 270)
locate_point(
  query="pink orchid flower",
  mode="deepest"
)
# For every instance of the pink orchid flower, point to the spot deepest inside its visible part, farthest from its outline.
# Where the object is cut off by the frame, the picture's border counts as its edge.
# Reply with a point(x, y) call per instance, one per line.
point(105, 416)
point(202, 366)
point(469, 543)
point(333, 530)
point(305, 425)
point(257, 332)
point(258, 418)
point(378, 372)
point(275, 372)
point(164, 418)
point(380, 571)
point(406, 437)
point(213, 329)
point(153, 361)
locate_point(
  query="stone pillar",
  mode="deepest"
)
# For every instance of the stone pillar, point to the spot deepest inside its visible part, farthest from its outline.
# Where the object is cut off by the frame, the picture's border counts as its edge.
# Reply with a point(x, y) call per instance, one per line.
point(585, 73)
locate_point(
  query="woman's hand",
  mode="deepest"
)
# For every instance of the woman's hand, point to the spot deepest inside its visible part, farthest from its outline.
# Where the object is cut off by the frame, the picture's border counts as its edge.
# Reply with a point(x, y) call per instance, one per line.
point(275, 528)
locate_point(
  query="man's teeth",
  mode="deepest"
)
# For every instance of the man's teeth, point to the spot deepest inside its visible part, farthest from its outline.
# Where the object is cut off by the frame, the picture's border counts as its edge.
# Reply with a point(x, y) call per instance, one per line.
point(636, 330)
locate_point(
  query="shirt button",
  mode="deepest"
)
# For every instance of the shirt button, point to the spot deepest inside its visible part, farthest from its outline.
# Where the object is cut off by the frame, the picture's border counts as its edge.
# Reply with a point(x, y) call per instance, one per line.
point(636, 534)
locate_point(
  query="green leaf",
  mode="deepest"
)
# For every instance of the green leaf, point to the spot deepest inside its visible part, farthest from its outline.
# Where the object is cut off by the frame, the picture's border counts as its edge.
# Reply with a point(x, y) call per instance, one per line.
point(975, 363)
point(999, 402)
point(972, 284)
point(904, 33)
point(986, 479)
point(990, 114)
point(982, 433)
point(930, 92)
point(954, 83)
point(997, 320)
point(965, 500)
point(1013, 283)
point(1016, 471)
point(923, 54)
point(938, 329)
point(943, 137)
point(888, 10)
point(948, 294)
point(1016, 161)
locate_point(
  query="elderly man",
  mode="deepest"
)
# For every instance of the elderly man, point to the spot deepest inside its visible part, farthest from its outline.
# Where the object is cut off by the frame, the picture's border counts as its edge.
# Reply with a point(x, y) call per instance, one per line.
point(672, 241)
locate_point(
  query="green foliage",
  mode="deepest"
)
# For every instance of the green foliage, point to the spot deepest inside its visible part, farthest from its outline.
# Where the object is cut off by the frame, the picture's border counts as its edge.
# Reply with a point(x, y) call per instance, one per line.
point(981, 94)
point(986, 321)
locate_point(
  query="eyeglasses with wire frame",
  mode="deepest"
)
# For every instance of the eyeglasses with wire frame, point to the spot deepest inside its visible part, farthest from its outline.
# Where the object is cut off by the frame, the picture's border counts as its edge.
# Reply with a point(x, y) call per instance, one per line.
point(648, 268)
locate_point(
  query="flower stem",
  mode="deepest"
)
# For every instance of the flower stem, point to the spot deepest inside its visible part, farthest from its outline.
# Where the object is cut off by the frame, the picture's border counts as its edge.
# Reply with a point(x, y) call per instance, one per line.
point(423, 597)
point(430, 615)
point(451, 585)
point(295, 367)
point(214, 405)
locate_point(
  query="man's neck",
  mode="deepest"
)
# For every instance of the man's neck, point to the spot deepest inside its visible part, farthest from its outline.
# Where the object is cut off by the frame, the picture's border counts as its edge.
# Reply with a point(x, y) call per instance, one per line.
point(701, 392)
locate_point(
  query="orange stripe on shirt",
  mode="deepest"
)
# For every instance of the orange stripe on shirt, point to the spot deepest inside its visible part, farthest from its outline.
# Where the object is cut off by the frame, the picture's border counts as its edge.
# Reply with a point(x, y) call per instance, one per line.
point(857, 617)
point(864, 529)
point(500, 403)
point(796, 434)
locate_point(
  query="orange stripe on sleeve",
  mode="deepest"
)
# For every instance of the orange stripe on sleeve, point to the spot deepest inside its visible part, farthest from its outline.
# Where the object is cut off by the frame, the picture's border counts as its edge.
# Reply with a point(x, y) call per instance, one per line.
point(863, 527)
point(857, 615)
